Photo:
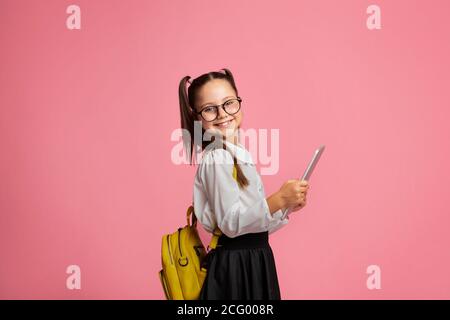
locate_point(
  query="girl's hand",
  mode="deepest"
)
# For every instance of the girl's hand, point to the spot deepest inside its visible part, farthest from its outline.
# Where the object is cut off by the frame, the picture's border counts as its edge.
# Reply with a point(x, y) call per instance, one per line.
point(300, 206)
point(293, 194)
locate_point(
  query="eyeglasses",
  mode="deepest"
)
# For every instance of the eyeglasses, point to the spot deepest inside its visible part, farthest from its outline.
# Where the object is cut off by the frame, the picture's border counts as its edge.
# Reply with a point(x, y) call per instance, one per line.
point(231, 106)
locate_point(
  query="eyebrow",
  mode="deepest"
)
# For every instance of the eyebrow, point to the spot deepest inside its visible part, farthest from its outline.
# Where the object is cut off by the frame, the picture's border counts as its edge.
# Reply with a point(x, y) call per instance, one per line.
point(212, 103)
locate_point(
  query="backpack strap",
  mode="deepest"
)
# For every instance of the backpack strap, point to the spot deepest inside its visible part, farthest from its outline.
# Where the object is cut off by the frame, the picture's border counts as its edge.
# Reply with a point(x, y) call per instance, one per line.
point(216, 233)
point(190, 211)
point(215, 238)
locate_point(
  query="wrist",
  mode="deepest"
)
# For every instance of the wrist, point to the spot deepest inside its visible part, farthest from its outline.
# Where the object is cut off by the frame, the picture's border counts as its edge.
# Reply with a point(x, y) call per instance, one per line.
point(280, 200)
point(276, 202)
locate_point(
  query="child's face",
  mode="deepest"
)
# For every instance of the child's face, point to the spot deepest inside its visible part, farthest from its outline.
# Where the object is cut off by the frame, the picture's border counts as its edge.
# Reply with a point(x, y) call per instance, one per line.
point(216, 92)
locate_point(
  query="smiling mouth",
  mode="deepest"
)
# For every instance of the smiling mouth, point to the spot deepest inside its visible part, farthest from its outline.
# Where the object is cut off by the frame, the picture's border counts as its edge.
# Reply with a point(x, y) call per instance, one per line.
point(224, 124)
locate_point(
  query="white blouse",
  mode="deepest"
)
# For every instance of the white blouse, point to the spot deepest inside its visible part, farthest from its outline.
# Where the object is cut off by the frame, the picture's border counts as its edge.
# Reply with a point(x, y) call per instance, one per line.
point(218, 200)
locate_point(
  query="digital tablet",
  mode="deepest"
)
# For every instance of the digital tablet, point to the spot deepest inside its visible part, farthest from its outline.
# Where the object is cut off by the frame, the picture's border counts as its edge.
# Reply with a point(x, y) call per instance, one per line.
point(312, 163)
point(309, 170)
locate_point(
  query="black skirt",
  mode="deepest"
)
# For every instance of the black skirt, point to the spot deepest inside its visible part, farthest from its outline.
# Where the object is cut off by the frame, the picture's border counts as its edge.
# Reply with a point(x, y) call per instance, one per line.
point(241, 268)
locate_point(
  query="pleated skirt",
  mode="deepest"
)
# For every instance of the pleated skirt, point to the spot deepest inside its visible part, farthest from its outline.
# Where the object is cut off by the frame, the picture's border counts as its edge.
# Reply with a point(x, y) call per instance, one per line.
point(241, 268)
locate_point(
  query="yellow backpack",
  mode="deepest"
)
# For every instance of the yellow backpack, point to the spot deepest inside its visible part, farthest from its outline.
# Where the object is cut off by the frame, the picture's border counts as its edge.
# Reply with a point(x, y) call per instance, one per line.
point(182, 252)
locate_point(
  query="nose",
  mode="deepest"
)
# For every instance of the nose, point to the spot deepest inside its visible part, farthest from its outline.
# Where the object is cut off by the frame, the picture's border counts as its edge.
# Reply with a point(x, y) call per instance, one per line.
point(221, 113)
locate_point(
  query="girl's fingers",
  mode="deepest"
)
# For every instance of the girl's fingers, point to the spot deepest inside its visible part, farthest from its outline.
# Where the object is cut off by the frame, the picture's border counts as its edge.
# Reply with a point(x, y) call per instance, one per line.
point(299, 205)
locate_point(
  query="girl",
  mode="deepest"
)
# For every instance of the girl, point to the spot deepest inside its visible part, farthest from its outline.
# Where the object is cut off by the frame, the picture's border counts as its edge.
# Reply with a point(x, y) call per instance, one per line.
point(242, 266)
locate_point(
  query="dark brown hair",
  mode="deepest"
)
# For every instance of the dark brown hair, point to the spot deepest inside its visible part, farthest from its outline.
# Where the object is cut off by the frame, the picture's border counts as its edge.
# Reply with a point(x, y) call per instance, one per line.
point(187, 107)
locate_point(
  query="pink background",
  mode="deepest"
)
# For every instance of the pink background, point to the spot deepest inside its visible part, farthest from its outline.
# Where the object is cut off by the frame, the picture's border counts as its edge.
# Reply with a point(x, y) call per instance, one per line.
point(86, 117)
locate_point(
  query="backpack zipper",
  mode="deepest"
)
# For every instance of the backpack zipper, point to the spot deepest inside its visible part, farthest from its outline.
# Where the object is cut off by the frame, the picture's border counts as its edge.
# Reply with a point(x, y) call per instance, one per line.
point(179, 241)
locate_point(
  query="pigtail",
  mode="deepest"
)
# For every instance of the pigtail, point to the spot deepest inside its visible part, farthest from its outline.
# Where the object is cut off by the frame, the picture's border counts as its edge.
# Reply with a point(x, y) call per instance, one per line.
point(187, 117)
point(240, 177)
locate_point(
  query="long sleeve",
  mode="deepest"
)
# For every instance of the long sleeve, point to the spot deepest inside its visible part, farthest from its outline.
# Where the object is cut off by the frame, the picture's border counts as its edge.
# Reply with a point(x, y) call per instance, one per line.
point(236, 213)
point(279, 221)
